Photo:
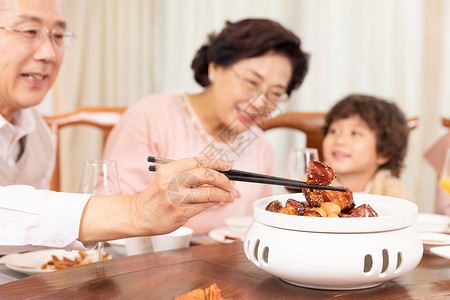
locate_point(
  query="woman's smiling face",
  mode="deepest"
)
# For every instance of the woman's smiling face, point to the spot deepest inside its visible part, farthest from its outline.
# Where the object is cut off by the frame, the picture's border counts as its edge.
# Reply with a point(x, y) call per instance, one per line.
point(238, 102)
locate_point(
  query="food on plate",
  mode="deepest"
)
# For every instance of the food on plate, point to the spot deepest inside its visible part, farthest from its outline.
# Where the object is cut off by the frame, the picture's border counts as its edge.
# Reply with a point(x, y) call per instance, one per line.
point(319, 174)
point(331, 208)
point(311, 213)
point(210, 293)
point(322, 203)
point(326, 209)
point(362, 211)
point(274, 206)
point(56, 263)
point(343, 199)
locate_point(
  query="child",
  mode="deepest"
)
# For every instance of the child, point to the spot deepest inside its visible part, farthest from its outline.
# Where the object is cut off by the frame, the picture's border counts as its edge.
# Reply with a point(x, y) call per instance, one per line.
point(365, 143)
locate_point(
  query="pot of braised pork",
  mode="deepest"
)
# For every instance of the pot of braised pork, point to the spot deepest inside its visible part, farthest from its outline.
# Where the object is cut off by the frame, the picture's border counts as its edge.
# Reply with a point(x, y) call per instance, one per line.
point(333, 240)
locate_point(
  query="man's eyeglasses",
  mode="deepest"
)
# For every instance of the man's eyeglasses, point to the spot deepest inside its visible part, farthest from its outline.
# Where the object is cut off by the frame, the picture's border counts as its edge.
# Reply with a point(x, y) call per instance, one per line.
point(60, 37)
point(253, 90)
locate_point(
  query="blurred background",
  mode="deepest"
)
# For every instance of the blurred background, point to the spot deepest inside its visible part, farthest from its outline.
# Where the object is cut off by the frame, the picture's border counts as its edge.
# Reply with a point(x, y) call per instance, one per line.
point(395, 49)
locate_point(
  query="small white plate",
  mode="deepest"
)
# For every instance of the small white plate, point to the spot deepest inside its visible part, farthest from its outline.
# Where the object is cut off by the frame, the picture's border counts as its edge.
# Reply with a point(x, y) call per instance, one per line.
point(30, 263)
point(219, 234)
point(443, 251)
point(5, 279)
point(433, 223)
point(433, 239)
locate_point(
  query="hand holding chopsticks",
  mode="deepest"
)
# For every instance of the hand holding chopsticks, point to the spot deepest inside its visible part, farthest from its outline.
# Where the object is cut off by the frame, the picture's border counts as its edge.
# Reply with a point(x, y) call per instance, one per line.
point(237, 175)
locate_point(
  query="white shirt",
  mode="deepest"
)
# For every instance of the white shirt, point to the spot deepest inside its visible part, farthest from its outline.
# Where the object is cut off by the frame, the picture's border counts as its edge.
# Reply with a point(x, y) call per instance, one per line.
point(30, 217)
point(10, 136)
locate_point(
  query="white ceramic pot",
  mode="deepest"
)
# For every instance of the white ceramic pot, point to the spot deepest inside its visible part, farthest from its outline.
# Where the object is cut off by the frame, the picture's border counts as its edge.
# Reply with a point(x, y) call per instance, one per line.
point(336, 253)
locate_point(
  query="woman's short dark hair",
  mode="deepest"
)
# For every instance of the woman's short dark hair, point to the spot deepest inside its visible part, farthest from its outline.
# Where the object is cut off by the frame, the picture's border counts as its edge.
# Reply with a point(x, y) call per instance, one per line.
point(250, 38)
point(385, 118)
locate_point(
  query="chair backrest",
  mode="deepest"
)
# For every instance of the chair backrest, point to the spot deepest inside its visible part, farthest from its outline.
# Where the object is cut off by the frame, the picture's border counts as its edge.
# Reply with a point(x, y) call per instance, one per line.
point(446, 122)
point(103, 118)
point(311, 123)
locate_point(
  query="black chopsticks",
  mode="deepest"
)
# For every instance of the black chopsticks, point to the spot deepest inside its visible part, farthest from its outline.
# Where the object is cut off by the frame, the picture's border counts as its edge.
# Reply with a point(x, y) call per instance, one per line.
point(237, 175)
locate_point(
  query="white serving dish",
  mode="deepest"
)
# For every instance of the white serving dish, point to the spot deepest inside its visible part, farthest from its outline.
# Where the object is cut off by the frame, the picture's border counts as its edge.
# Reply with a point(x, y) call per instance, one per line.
point(336, 253)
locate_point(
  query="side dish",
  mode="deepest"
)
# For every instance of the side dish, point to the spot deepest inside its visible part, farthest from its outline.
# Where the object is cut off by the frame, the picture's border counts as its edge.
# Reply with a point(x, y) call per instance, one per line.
point(210, 293)
point(61, 263)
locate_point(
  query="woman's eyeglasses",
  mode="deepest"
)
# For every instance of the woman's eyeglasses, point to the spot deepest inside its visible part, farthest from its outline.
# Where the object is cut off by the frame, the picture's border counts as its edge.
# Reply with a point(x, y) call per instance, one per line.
point(60, 37)
point(254, 90)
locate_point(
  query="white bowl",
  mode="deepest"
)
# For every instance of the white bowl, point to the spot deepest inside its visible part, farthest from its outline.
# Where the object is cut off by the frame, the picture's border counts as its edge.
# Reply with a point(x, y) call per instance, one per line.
point(177, 239)
point(336, 253)
point(118, 247)
point(238, 226)
point(433, 223)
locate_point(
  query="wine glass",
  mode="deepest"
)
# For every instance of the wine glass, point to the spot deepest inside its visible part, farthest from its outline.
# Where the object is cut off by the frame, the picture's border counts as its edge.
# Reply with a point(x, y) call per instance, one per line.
point(298, 163)
point(100, 177)
point(444, 181)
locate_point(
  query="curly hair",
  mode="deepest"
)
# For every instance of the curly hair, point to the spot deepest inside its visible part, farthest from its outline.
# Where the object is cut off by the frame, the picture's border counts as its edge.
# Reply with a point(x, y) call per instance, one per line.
point(250, 38)
point(385, 118)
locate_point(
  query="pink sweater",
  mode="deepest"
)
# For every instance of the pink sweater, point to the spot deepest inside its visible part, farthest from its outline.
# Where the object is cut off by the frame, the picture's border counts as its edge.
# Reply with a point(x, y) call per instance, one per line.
point(160, 125)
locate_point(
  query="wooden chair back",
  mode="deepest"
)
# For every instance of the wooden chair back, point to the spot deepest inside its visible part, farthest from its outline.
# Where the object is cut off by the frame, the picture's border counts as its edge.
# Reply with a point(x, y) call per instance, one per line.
point(103, 118)
point(311, 123)
point(446, 122)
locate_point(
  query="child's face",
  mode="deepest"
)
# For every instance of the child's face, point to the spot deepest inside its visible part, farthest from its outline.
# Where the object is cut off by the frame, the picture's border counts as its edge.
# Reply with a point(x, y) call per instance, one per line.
point(350, 148)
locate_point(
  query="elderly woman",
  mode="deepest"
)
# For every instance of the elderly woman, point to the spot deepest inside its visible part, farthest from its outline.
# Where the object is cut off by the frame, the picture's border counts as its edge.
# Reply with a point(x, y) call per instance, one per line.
point(246, 70)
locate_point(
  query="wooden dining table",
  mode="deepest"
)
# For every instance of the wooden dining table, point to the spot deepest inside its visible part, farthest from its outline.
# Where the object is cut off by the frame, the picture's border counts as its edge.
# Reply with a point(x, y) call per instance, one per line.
point(165, 275)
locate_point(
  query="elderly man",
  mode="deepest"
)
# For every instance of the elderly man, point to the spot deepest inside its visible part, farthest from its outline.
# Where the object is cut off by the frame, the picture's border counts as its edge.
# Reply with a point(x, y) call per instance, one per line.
point(33, 36)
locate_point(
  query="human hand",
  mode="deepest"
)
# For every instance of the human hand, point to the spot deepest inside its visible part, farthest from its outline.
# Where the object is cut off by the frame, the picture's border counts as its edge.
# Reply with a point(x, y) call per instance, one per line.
point(180, 190)
point(233, 190)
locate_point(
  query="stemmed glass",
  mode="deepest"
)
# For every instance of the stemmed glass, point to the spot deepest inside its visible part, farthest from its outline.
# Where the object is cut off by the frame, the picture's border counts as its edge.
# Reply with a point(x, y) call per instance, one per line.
point(444, 181)
point(298, 163)
point(100, 177)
